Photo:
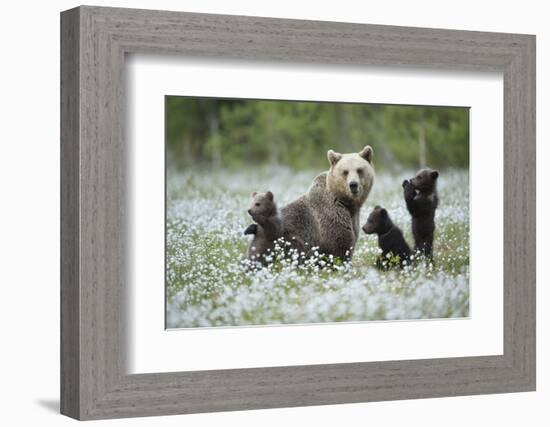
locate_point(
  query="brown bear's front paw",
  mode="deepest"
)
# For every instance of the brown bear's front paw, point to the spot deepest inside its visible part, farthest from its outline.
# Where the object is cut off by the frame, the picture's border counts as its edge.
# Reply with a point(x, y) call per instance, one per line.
point(251, 229)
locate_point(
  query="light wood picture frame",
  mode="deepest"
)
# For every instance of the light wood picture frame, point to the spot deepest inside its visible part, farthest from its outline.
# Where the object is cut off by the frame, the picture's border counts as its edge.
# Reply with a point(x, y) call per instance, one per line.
point(94, 42)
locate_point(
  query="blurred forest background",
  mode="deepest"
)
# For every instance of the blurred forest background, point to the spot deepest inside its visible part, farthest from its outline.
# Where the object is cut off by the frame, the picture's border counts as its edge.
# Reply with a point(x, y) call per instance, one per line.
point(232, 133)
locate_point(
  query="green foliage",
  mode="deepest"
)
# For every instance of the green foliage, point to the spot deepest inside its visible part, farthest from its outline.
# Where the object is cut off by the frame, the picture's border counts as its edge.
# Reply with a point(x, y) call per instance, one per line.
point(388, 262)
point(235, 133)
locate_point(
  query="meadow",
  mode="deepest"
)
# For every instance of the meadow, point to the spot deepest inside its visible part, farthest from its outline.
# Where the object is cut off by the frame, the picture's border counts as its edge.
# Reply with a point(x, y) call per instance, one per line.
point(208, 284)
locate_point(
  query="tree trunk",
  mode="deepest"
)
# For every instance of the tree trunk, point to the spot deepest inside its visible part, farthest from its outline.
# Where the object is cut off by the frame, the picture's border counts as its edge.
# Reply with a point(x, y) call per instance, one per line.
point(378, 139)
point(343, 136)
point(273, 139)
point(213, 129)
point(421, 140)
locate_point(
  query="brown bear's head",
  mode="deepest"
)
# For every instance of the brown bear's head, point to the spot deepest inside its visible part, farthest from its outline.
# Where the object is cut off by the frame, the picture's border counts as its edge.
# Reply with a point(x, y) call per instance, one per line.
point(425, 180)
point(262, 204)
point(378, 222)
point(350, 176)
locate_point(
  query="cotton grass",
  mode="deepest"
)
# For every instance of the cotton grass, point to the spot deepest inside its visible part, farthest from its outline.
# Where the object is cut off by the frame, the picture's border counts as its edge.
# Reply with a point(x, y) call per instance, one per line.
point(208, 283)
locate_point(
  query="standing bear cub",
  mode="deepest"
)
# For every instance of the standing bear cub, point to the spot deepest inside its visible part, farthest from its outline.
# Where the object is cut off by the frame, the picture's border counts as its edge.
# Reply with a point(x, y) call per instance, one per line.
point(269, 227)
point(420, 194)
point(390, 239)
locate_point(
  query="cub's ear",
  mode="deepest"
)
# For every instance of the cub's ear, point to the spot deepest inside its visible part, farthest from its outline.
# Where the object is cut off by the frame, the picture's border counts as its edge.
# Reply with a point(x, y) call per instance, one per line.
point(333, 157)
point(367, 153)
point(434, 174)
point(269, 195)
point(377, 207)
point(383, 212)
point(254, 194)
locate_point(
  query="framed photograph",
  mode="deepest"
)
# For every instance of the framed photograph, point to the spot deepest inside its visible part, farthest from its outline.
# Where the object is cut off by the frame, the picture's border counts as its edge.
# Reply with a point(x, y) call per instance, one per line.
point(258, 168)
point(261, 213)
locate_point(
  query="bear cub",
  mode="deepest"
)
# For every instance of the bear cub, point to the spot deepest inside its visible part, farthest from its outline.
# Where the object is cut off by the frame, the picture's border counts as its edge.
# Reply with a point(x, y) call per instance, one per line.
point(267, 229)
point(420, 194)
point(390, 238)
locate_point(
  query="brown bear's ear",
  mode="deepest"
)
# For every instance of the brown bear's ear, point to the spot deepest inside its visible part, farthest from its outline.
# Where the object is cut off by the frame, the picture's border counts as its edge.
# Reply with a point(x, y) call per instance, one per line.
point(434, 174)
point(383, 212)
point(333, 157)
point(269, 195)
point(367, 153)
point(377, 207)
point(254, 194)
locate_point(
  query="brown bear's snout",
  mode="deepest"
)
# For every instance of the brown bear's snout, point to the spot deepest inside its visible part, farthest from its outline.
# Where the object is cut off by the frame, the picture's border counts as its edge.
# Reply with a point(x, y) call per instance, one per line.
point(354, 187)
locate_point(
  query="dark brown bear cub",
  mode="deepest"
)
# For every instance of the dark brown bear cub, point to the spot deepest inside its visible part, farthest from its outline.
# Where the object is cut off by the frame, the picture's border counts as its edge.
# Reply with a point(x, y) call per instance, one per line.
point(395, 250)
point(421, 198)
point(269, 227)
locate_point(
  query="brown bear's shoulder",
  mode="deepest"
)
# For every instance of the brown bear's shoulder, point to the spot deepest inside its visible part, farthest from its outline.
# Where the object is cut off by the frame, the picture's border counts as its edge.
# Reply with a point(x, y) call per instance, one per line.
point(318, 191)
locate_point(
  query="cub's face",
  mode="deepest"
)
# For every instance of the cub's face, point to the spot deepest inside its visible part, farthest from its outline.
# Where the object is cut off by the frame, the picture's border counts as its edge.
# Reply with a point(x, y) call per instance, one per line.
point(262, 204)
point(425, 180)
point(351, 175)
point(377, 221)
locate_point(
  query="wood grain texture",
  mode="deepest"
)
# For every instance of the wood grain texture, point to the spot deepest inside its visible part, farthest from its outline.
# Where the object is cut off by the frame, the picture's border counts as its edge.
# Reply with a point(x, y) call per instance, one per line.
point(94, 382)
point(70, 259)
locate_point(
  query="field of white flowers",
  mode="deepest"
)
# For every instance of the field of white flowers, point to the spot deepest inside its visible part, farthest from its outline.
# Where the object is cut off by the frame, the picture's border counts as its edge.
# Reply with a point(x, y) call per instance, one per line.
point(207, 284)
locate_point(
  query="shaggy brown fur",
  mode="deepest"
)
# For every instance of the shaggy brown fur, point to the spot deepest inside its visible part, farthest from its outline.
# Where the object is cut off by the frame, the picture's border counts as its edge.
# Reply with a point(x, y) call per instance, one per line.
point(327, 216)
point(420, 194)
point(390, 238)
point(269, 227)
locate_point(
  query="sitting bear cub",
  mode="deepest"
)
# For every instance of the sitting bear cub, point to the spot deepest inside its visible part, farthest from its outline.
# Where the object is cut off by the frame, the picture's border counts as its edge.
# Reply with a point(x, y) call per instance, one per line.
point(390, 239)
point(269, 227)
point(421, 198)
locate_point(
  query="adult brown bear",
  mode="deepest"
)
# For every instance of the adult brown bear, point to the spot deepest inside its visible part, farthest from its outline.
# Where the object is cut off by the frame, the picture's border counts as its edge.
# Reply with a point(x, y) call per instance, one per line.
point(327, 216)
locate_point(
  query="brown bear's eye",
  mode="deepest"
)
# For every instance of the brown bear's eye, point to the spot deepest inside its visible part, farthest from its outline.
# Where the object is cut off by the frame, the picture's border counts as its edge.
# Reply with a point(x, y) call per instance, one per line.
point(346, 172)
point(359, 171)
point(257, 204)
